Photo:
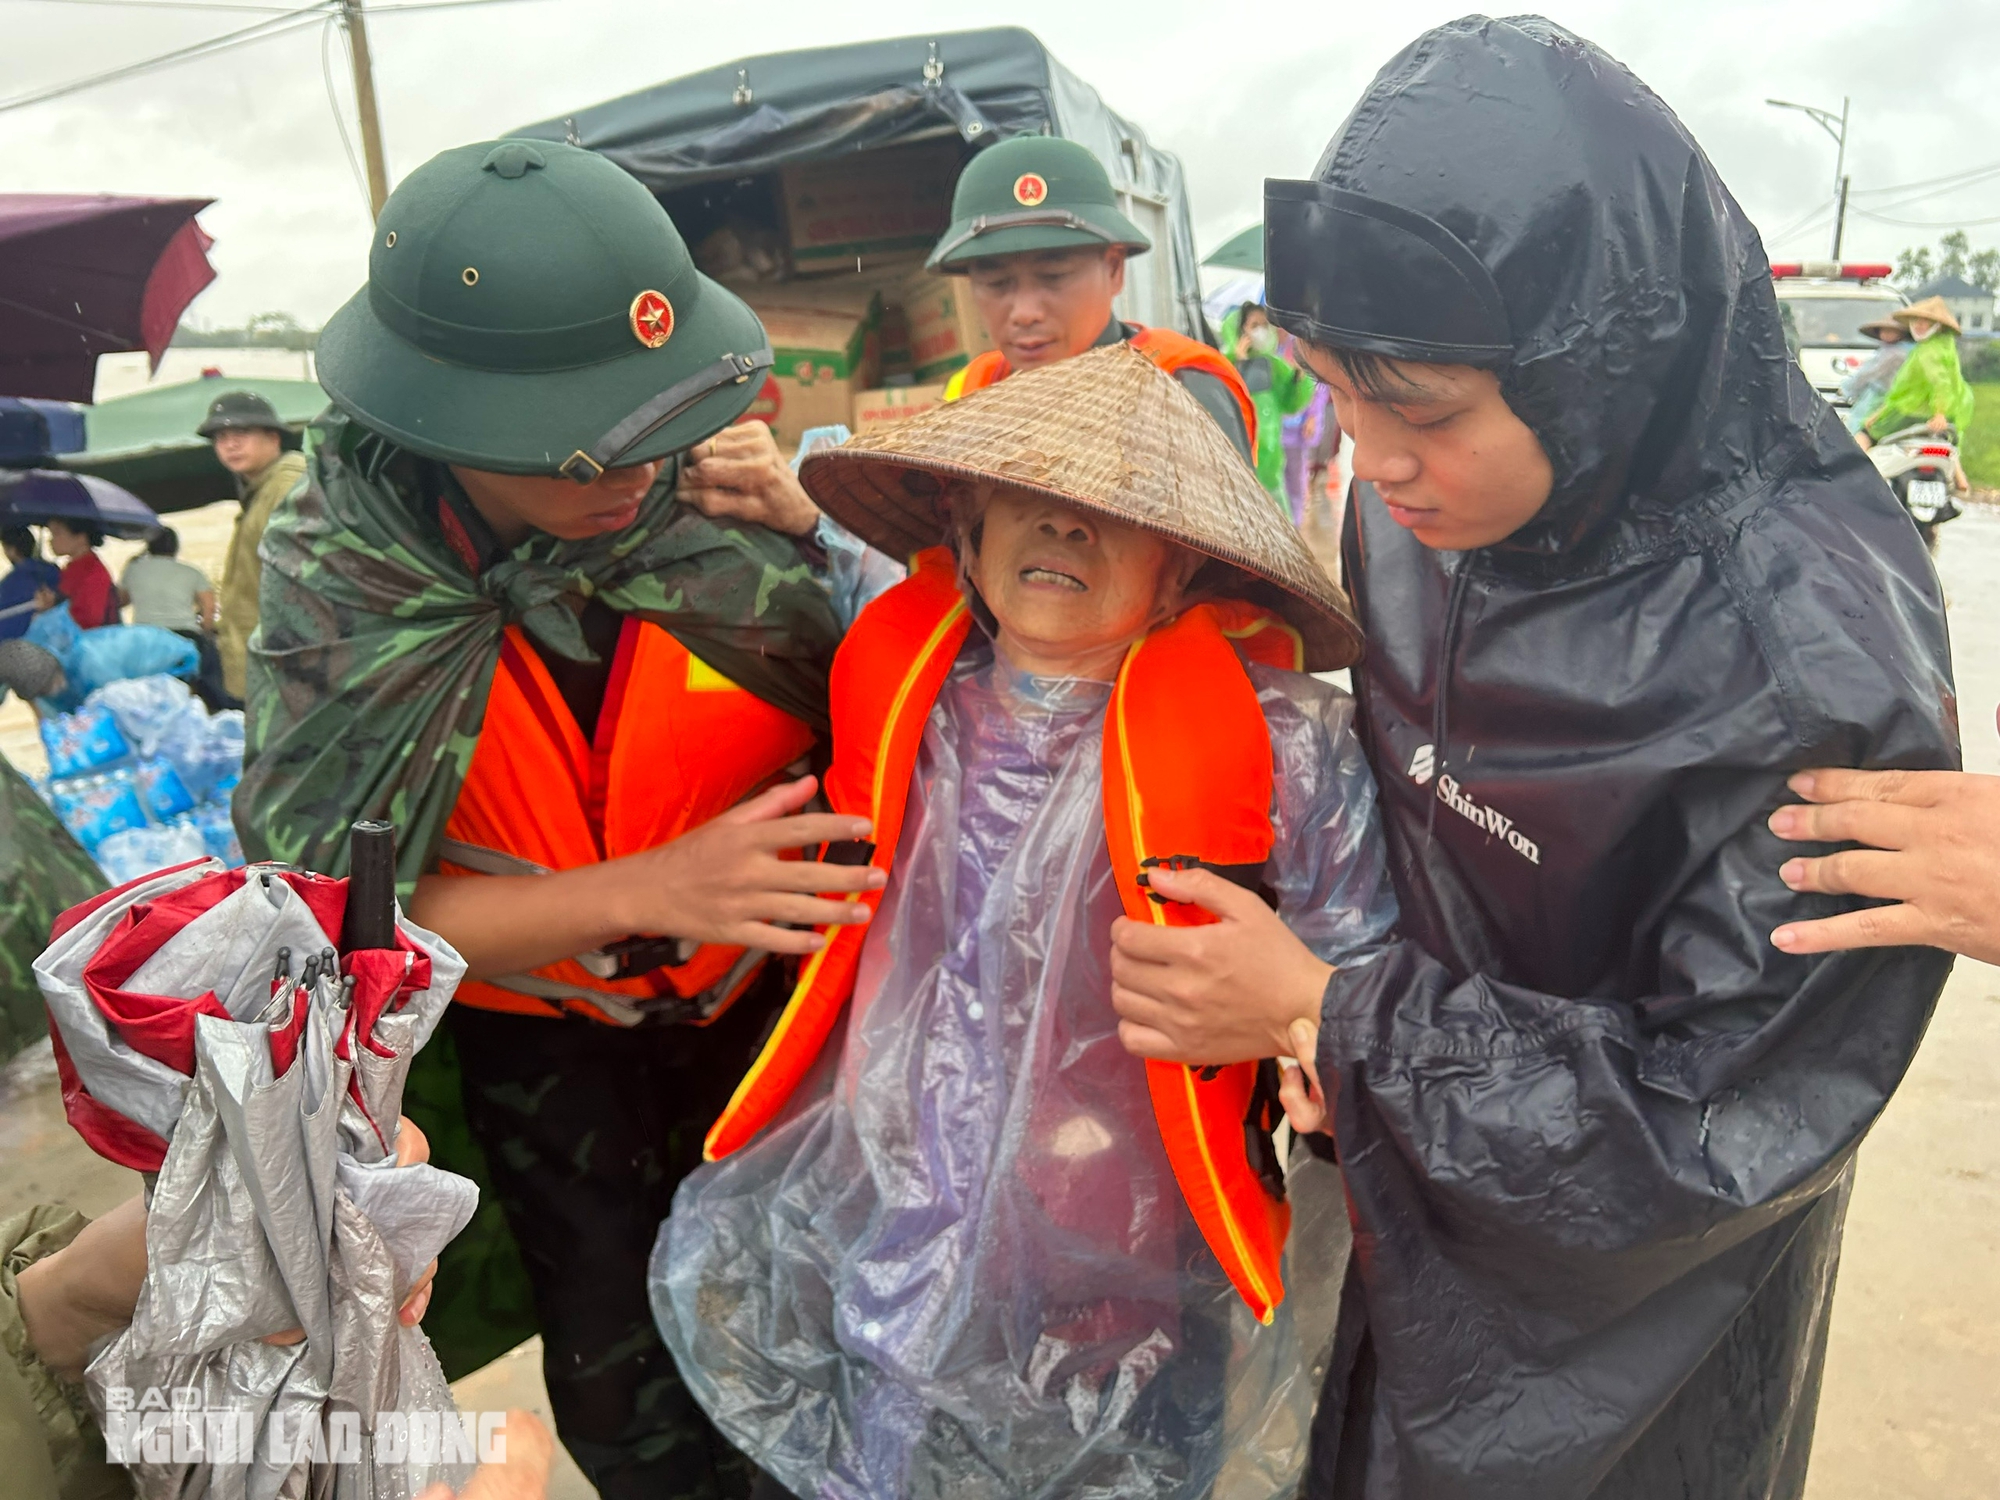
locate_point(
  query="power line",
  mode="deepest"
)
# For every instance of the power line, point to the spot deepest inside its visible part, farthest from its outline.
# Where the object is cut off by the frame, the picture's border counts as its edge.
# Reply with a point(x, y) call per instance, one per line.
point(1948, 179)
point(333, 103)
point(1928, 223)
point(291, 20)
point(279, 22)
point(207, 5)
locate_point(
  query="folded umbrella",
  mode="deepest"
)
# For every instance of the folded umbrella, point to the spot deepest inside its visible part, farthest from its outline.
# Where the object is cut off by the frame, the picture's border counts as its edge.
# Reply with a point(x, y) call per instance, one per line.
point(226, 1030)
point(37, 496)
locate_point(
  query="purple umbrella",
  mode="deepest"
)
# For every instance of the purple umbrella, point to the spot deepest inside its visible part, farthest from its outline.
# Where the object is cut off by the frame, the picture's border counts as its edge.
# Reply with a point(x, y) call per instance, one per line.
point(39, 496)
point(89, 274)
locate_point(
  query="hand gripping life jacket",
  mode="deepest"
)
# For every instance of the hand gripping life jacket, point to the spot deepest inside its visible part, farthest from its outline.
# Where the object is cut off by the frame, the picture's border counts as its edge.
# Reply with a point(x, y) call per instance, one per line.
point(676, 744)
point(1187, 778)
point(1169, 350)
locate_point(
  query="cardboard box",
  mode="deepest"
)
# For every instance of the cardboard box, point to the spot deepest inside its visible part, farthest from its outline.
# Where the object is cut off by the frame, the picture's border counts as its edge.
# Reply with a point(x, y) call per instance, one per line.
point(888, 405)
point(820, 359)
point(869, 203)
point(945, 331)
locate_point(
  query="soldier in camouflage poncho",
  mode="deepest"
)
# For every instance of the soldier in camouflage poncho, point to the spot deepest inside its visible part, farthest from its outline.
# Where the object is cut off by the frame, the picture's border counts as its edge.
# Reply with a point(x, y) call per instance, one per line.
point(43, 872)
point(487, 621)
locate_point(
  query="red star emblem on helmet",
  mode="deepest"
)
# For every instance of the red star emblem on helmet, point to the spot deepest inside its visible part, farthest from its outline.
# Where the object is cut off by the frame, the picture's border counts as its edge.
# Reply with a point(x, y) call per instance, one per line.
point(1030, 188)
point(652, 319)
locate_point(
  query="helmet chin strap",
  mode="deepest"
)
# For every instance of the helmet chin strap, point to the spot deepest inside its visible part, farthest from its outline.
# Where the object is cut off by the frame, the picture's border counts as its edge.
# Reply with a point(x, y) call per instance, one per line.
point(730, 369)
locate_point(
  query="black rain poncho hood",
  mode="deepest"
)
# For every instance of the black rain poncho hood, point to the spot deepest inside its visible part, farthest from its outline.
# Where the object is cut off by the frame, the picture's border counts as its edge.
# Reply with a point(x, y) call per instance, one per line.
point(1597, 1131)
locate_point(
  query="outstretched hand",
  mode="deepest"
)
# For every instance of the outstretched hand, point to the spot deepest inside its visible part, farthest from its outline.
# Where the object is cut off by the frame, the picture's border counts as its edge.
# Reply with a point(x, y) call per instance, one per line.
point(1221, 993)
point(1932, 845)
point(726, 882)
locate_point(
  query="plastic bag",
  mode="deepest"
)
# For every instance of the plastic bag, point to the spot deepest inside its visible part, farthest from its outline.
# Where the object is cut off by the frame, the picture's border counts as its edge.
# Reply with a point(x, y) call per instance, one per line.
point(218, 832)
point(85, 741)
point(161, 789)
point(140, 851)
point(146, 706)
point(93, 808)
point(206, 751)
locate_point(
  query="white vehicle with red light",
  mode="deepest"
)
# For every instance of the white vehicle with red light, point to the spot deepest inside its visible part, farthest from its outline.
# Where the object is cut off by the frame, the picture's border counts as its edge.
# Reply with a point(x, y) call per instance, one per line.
point(1825, 303)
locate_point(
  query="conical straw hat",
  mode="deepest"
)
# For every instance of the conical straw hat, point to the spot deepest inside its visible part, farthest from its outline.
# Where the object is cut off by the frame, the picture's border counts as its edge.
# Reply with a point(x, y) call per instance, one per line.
point(1933, 308)
point(1107, 431)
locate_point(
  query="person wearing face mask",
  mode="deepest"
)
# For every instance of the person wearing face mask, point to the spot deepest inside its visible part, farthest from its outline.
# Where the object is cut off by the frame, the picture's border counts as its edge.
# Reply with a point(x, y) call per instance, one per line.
point(977, 1246)
point(584, 706)
point(1929, 390)
point(1277, 389)
point(1622, 572)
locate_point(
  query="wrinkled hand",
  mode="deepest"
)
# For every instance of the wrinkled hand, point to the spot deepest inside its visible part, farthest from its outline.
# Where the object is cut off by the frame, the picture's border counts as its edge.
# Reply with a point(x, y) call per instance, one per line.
point(725, 883)
point(739, 475)
point(1298, 1086)
point(1933, 847)
point(1221, 993)
point(522, 1475)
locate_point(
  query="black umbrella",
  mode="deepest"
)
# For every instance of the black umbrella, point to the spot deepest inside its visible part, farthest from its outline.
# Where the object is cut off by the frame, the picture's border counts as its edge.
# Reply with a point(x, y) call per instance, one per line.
point(38, 496)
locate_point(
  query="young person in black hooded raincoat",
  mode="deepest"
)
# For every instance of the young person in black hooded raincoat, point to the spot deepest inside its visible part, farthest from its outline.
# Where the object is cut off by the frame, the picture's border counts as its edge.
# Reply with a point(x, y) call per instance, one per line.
point(1621, 572)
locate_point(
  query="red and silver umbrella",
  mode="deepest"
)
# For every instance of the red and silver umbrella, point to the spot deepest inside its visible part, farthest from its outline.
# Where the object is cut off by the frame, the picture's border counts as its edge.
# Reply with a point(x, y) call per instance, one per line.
point(245, 1035)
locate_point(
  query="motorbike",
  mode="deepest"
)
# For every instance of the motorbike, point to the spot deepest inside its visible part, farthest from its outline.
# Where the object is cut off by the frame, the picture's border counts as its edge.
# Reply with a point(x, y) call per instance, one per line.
point(1922, 468)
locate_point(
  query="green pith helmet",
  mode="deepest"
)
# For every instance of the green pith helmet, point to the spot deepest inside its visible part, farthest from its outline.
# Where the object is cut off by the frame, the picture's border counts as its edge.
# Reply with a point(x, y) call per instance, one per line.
point(531, 309)
point(240, 409)
point(1033, 192)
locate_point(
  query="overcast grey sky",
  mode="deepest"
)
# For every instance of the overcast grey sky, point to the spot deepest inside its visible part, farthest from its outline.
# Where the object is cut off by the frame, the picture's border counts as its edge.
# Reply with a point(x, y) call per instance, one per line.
point(1240, 91)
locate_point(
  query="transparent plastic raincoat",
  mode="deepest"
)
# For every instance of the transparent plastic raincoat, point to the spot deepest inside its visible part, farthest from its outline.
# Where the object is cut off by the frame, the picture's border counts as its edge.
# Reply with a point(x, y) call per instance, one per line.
point(959, 1264)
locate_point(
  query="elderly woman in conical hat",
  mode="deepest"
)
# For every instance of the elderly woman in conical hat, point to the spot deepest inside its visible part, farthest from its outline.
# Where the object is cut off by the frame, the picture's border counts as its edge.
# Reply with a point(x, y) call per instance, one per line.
point(954, 1233)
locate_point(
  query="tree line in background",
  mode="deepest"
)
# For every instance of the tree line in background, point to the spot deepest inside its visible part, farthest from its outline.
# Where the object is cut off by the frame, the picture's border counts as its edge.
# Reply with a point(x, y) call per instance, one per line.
point(265, 330)
point(1954, 256)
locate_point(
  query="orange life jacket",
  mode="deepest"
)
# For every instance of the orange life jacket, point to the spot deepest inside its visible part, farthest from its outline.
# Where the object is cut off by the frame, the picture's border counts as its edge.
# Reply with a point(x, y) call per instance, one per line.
point(677, 743)
point(1187, 772)
point(1169, 350)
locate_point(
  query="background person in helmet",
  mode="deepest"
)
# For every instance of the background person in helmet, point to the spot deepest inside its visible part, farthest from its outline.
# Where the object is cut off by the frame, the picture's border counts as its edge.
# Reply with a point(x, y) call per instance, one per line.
point(249, 439)
point(486, 620)
point(1621, 572)
point(1036, 230)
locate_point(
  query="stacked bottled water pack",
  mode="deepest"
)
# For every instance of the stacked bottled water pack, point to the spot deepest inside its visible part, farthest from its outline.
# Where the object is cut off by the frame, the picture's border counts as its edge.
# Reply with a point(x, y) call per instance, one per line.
point(141, 773)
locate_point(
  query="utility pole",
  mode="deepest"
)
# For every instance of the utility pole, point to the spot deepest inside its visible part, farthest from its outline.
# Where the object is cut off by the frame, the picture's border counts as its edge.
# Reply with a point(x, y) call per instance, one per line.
point(1827, 120)
point(364, 103)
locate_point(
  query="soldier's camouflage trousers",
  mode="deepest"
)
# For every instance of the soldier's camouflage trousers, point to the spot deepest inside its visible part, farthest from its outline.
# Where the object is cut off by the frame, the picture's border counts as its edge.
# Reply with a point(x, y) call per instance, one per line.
point(587, 1129)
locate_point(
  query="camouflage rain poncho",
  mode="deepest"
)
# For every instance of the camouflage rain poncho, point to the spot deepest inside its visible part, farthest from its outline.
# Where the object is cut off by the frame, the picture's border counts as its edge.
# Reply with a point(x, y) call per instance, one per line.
point(43, 872)
point(368, 680)
point(377, 644)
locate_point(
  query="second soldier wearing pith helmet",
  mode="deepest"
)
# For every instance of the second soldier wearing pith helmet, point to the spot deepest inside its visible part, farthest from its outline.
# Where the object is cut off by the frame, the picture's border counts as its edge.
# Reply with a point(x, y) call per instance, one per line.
point(487, 620)
point(1037, 232)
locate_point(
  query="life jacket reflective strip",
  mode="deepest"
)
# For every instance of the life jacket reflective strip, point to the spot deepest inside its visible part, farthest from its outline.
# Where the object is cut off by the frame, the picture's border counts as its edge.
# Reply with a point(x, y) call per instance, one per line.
point(1169, 350)
point(1167, 791)
point(677, 743)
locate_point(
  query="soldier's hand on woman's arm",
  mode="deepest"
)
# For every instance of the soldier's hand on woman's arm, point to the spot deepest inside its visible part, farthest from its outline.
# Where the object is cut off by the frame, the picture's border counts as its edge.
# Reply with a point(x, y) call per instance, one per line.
point(739, 475)
point(724, 882)
point(1225, 992)
point(1932, 845)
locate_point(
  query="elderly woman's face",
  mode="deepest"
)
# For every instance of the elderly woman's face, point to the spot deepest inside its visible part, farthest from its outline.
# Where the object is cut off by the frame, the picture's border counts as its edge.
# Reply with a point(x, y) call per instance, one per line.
point(1069, 590)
